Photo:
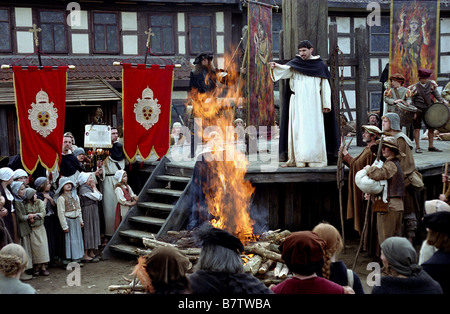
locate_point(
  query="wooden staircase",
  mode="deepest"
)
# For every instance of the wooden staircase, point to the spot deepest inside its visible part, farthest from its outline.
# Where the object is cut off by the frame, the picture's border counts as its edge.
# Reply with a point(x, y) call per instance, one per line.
point(163, 205)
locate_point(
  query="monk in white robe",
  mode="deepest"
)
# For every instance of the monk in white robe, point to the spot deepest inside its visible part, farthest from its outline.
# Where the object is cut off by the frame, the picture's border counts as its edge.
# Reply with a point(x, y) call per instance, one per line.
point(311, 97)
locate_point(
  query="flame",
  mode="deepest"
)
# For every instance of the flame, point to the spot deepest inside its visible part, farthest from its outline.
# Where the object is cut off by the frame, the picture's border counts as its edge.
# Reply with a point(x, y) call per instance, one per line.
point(229, 204)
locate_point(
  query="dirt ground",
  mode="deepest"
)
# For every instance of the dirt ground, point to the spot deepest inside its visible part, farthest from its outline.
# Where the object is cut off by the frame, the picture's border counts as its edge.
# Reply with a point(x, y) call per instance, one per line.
point(95, 278)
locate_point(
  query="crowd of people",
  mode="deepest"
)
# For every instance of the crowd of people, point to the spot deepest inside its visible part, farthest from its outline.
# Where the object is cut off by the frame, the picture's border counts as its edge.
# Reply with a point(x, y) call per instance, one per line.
point(60, 217)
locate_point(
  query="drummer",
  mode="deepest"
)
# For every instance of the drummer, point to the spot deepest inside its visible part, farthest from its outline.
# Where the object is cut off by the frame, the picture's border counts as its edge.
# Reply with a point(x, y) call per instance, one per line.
point(421, 98)
point(397, 93)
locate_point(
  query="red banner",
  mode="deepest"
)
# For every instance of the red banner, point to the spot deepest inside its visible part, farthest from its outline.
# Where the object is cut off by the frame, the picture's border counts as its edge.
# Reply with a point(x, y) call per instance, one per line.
point(146, 109)
point(41, 106)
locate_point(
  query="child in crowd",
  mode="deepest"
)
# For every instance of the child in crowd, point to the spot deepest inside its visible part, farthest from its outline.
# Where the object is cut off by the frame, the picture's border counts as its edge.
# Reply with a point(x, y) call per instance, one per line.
point(125, 196)
point(333, 269)
point(51, 221)
point(70, 218)
point(38, 237)
point(23, 225)
point(89, 198)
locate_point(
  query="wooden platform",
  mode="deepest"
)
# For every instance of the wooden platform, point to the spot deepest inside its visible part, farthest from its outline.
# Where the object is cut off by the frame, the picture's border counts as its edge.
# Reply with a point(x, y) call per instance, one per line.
point(299, 198)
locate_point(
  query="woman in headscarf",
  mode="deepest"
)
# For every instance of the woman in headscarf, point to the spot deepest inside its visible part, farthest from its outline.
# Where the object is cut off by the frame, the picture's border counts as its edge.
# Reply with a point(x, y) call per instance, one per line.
point(125, 196)
point(38, 237)
point(401, 273)
point(164, 271)
point(220, 268)
point(51, 222)
point(10, 220)
point(89, 198)
point(23, 224)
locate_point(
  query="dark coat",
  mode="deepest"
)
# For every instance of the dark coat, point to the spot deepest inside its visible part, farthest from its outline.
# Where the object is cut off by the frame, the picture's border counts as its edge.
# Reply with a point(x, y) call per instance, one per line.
point(421, 284)
point(438, 267)
point(208, 282)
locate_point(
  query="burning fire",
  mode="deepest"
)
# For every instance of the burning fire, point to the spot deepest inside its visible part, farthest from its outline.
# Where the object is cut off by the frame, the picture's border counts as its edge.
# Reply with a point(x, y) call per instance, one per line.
point(229, 204)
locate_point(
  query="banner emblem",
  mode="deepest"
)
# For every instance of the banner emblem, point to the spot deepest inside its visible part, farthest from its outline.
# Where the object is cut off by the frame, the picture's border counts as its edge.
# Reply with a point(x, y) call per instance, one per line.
point(43, 115)
point(147, 109)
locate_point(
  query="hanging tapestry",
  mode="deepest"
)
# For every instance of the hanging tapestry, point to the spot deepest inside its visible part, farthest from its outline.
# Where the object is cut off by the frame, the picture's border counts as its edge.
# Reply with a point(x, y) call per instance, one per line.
point(40, 96)
point(146, 109)
point(414, 38)
point(261, 110)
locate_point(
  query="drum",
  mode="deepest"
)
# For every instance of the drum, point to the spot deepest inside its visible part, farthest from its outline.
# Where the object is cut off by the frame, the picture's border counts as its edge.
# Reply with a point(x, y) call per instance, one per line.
point(437, 115)
point(406, 113)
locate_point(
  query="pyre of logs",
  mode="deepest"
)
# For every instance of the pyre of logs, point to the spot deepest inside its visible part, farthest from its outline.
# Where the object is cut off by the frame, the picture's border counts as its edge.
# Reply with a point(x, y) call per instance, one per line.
point(261, 258)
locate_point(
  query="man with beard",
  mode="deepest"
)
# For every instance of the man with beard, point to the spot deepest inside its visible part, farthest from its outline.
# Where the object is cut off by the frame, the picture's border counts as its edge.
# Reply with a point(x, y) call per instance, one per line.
point(308, 145)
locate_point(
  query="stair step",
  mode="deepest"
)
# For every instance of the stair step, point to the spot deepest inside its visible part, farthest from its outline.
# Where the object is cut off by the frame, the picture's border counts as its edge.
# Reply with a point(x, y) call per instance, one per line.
point(173, 178)
point(137, 234)
point(130, 249)
point(154, 205)
point(148, 220)
point(169, 192)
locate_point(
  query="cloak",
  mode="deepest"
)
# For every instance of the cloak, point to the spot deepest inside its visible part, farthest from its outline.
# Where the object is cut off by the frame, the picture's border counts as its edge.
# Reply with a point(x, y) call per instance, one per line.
point(313, 67)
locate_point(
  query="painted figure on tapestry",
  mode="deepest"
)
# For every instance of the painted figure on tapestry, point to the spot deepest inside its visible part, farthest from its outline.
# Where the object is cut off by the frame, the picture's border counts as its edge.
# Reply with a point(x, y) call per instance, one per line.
point(413, 31)
point(261, 106)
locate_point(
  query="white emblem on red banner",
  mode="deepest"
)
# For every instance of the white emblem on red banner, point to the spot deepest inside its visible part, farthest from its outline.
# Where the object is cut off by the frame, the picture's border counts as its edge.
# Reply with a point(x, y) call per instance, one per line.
point(43, 115)
point(147, 109)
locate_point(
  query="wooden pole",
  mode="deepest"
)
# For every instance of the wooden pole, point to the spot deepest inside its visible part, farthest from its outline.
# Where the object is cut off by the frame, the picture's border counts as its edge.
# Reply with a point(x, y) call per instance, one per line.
point(444, 185)
point(361, 78)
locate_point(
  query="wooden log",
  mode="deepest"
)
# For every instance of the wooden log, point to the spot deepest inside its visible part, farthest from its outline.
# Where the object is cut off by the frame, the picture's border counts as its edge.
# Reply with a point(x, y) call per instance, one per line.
point(274, 247)
point(253, 264)
point(283, 272)
point(265, 266)
point(277, 270)
point(126, 287)
point(152, 243)
point(263, 252)
point(276, 236)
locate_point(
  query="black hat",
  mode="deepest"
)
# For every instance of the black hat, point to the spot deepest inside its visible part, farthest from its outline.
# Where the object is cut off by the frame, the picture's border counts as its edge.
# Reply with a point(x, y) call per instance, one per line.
point(439, 222)
point(201, 57)
point(215, 236)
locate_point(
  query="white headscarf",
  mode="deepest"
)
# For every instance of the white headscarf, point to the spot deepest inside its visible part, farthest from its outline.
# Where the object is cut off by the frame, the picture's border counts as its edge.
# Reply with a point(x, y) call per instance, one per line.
point(118, 175)
point(6, 173)
point(63, 181)
point(18, 173)
point(83, 177)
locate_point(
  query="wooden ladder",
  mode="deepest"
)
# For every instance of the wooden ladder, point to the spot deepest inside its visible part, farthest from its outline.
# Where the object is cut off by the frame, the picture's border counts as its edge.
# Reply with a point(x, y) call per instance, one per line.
point(163, 205)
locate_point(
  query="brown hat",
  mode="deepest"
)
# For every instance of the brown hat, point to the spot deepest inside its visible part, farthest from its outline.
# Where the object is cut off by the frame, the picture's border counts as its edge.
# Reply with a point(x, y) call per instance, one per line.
point(390, 142)
point(424, 73)
point(397, 77)
point(372, 129)
point(302, 248)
